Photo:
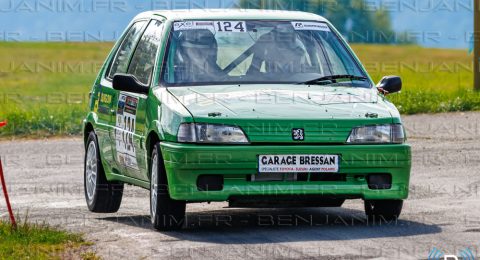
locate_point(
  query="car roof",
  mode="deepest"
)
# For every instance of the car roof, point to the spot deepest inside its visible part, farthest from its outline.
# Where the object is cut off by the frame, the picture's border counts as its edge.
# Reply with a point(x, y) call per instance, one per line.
point(234, 14)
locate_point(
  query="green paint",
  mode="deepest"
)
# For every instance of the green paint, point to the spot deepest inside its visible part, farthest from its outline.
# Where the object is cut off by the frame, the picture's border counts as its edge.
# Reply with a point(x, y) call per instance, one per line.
point(267, 123)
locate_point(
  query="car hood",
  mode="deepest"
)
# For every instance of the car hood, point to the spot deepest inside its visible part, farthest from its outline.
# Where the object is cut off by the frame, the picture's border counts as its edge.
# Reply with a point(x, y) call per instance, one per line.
point(281, 102)
point(270, 113)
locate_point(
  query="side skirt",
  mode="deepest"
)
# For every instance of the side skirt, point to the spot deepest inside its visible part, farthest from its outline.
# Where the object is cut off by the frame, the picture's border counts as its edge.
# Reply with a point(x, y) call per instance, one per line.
point(128, 180)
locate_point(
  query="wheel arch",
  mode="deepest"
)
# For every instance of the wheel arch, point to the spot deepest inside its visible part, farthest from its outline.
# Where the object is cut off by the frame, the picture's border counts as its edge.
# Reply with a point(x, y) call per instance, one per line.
point(152, 139)
point(88, 125)
point(86, 131)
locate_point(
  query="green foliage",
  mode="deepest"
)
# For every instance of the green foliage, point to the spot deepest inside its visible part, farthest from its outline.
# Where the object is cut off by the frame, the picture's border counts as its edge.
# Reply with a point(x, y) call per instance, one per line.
point(44, 90)
point(39, 100)
point(36, 241)
point(44, 121)
point(356, 19)
point(434, 80)
point(422, 101)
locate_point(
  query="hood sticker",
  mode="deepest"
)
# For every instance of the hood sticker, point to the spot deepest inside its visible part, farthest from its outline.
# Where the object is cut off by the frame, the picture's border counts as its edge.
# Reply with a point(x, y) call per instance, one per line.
point(124, 130)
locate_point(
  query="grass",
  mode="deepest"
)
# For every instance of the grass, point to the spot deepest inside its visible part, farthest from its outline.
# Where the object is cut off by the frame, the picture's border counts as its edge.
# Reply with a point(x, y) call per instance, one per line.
point(44, 86)
point(44, 90)
point(39, 241)
point(435, 80)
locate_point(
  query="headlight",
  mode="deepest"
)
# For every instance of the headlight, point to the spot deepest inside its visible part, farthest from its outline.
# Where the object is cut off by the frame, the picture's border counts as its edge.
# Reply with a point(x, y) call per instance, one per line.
point(210, 133)
point(377, 134)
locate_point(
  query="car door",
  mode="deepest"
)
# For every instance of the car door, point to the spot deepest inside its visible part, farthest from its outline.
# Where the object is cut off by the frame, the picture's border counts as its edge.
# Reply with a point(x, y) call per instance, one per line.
point(131, 108)
point(108, 96)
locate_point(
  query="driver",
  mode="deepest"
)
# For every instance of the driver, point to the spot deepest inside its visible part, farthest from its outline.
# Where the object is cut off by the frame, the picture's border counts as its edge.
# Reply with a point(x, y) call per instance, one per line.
point(280, 51)
point(197, 54)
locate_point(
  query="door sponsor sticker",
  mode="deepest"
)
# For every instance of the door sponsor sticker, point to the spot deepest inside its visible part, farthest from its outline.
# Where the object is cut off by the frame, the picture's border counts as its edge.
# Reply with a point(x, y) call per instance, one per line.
point(298, 163)
point(310, 26)
point(124, 130)
point(103, 104)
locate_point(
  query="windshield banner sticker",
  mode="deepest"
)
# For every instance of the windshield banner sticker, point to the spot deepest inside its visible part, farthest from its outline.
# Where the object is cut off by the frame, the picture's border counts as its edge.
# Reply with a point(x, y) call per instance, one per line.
point(230, 26)
point(310, 26)
point(214, 26)
point(124, 130)
point(193, 25)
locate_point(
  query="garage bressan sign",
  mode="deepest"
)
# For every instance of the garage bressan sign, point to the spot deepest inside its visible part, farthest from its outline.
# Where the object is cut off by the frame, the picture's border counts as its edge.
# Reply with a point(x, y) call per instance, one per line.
point(298, 163)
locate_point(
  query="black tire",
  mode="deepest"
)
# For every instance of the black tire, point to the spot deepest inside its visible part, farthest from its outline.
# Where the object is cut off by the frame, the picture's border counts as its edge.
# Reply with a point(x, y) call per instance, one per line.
point(383, 209)
point(107, 196)
point(169, 214)
point(336, 203)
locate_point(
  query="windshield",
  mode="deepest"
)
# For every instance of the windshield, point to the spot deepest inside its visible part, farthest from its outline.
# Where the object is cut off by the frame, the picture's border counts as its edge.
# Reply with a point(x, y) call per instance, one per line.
point(260, 52)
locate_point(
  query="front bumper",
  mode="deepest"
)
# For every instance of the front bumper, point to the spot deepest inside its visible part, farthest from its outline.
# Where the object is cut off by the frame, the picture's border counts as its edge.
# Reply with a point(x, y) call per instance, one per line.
point(185, 162)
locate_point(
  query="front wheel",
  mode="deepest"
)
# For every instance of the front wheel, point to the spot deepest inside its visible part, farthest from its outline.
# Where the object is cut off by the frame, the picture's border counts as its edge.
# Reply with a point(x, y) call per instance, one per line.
point(102, 196)
point(166, 214)
point(383, 209)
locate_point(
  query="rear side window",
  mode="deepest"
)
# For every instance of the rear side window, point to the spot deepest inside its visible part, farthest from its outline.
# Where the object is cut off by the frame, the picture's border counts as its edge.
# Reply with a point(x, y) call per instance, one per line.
point(143, 60)
point(122, 58)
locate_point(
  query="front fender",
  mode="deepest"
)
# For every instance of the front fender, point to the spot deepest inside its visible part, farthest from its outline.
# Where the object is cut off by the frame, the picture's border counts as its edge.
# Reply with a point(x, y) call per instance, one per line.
point(166, 115)
point(89, 124)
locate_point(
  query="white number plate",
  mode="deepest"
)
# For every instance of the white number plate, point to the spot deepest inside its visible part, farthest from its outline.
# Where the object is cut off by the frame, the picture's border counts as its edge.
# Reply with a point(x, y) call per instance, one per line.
point(313, 163)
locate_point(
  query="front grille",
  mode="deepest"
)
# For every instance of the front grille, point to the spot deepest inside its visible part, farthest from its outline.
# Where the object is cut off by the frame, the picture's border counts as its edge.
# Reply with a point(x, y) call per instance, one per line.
point(304, 177)
point(286, 201)
point(328, 177)
point(319, 131)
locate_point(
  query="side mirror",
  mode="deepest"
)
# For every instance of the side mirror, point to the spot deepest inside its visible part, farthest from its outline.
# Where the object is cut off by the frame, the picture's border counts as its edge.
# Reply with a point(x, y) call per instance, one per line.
point(129, 83)
point(390, 84)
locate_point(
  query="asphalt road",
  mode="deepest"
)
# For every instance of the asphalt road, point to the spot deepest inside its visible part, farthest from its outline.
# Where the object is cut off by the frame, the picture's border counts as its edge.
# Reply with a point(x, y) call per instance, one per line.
point(443, 211)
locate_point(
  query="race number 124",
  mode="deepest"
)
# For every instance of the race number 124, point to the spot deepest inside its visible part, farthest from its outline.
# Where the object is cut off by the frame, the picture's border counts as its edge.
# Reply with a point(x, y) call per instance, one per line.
point(230, 26)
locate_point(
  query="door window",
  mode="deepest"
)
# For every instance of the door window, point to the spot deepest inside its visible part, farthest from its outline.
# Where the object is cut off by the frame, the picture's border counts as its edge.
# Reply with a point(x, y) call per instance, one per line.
point(122, 58)
point(143, 60)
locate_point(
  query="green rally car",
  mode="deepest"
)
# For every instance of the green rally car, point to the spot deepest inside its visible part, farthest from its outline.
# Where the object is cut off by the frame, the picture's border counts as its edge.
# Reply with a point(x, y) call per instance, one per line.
point(257, 108)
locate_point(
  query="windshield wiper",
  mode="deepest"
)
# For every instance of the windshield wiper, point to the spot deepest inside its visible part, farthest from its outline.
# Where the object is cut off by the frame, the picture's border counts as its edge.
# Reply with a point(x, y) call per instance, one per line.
point(333, 79)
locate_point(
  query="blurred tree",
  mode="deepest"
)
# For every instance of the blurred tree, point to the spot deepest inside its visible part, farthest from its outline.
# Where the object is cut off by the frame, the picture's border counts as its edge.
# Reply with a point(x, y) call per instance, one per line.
point(357, 20)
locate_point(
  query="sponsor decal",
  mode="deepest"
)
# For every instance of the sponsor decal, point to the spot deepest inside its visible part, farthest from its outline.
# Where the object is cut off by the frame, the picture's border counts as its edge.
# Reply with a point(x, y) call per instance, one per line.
point(298, 134)
point(103, 104)
point(95, 106)
point(106, 99)
point(230, 26)
point(298, 25)
point(124, 130)
point(214, 26)
point(298, 163)
point(311, 26)
point(179, 26)
point(193, 25)
point(103, 110)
